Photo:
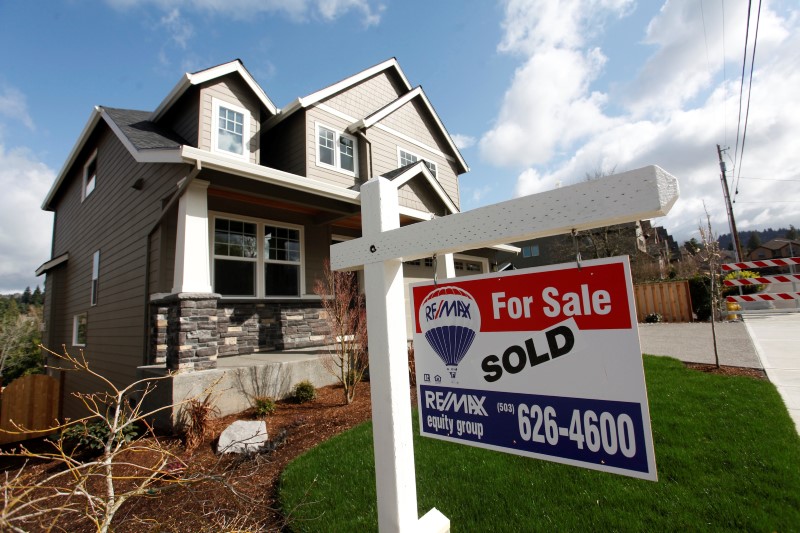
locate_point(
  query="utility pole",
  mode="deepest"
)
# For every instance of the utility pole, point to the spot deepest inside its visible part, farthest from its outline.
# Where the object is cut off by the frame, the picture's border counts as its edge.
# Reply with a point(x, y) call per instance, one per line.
point(737, 247)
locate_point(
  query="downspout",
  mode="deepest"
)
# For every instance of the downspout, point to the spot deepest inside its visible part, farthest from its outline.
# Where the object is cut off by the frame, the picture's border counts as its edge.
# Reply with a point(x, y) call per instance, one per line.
point(361, 134)
point(182, 186)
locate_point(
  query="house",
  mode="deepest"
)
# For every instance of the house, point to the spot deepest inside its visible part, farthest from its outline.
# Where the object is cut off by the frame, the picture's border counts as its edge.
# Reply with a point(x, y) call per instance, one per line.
point(774, 249)
point(196, 230)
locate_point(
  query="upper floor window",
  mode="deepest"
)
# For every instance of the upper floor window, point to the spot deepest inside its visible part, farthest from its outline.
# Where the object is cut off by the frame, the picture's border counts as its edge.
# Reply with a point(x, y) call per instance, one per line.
point(530, 251)
point(79, 325)
point(255, 259)
point(89, 177)
point(336, 150)
point(230, 128)
point(404, 157)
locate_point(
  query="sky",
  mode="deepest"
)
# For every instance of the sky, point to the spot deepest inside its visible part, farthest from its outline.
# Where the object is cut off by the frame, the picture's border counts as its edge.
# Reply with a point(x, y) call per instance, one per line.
point(537, 94)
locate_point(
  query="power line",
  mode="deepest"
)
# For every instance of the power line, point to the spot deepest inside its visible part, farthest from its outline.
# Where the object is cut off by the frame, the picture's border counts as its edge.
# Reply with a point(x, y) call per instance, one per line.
point(741, 83)
point(768, 179)
point(749, 93)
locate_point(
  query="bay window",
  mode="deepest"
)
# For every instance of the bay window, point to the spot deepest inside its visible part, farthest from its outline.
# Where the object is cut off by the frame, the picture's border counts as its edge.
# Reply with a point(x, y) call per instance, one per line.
point(256, 259)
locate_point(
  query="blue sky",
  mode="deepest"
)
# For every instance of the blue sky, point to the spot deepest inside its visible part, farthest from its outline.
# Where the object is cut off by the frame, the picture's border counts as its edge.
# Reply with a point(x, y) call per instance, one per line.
point(538, 93)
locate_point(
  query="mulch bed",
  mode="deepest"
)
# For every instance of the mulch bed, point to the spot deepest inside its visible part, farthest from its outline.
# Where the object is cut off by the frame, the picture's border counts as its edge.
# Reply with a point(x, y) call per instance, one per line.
point(755, 373)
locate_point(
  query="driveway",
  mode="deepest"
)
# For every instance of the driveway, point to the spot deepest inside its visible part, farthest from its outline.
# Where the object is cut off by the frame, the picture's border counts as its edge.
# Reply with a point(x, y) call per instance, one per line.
point(693, 343)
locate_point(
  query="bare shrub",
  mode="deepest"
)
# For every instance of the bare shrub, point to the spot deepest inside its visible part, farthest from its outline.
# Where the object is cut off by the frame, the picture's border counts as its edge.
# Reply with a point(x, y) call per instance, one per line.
point(347, 320)
point(197, 415)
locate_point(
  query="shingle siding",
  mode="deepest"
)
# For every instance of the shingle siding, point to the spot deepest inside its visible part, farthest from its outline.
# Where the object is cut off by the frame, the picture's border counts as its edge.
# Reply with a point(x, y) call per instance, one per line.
point(232, 90)
point(366, 97)
point(316, 115)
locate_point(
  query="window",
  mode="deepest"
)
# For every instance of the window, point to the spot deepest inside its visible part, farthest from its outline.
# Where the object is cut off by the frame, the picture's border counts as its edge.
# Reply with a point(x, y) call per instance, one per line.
point(526, 251)
point(230, 129)
point(530, 251)
point(535, 250)
point(336, 150)
point(405, 157)
point(429, 261)
point(79, 330)
point(95, 276)
point(89, 177)
point(415, 262)
point(243, 249)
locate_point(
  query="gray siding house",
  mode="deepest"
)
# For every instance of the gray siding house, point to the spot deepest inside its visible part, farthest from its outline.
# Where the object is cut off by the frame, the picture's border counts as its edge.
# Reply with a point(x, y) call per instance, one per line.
point(197, 230)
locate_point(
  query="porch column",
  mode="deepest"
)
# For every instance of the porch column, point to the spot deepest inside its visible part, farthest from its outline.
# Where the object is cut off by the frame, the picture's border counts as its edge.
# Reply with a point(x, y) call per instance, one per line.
point(192, 256)
point(445, 266)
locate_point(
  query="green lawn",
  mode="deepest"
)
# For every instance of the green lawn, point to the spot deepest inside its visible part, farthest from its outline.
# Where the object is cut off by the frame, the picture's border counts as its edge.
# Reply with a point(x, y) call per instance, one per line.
point(727, 453)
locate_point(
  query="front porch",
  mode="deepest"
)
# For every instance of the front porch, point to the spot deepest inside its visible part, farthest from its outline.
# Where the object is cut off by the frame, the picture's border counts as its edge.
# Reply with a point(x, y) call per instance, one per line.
point(235, 381)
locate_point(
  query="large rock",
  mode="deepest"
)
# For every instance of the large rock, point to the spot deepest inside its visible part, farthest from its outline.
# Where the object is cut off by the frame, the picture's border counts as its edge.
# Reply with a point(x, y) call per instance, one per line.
point(243, 436)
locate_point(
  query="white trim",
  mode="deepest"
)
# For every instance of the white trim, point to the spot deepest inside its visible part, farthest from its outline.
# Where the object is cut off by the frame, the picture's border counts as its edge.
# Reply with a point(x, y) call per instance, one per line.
point(191, 245)
point(260, 260)
point(315, 97)
point(274, 176)
point(336, 166)
point(415, 213)
point(75, 328)
point(54, 262)
point(385, 111)
point(418, 158)
point(421, 168)
point(216, 104)
point(387, 129)
point(85, 179)
point(187, 80)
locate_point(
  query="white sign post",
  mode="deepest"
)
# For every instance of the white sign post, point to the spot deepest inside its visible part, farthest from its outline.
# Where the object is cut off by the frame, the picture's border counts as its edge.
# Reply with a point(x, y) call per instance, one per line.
point(635, 195)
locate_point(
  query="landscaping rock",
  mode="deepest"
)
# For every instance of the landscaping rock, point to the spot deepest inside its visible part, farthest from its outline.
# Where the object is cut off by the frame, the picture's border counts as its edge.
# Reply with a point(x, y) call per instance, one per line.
point(243, 436)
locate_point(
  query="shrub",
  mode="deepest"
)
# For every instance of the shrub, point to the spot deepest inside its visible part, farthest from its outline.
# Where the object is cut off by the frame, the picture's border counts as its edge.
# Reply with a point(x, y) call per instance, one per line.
point(700, 291)
point(746, 289)
point(196, 417)
point(304, 392)
point(94, 435)
point(653, 318)
point(263, 405)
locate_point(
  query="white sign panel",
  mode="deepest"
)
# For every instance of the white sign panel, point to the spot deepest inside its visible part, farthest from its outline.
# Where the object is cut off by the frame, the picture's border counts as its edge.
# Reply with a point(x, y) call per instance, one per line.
point(541, 362)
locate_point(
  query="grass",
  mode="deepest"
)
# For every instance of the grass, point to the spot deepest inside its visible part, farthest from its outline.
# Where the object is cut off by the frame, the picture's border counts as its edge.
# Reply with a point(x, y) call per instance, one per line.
point(727, 453)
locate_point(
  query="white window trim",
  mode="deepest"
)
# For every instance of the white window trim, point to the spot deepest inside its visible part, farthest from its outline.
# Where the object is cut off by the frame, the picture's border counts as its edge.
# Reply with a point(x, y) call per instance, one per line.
point(336, 167)
point(75, 319)
point(216, 103)
point(95, 278)
point(260, 259)
point(419, 158)
point(85, 181)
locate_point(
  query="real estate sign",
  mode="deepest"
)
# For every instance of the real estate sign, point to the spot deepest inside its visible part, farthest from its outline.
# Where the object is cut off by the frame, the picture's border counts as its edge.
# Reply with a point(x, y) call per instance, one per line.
point(541, 362)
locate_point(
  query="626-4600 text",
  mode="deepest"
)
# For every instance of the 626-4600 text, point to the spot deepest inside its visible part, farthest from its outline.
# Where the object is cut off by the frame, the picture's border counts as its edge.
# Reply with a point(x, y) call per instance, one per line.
point(612, 434)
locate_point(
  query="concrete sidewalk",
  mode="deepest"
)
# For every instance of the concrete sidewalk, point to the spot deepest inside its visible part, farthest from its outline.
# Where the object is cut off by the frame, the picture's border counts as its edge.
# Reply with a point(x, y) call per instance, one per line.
point(777, 341)
point(693, 343)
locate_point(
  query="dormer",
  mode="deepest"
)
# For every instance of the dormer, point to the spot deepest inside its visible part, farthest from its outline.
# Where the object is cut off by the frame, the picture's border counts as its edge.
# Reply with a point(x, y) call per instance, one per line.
point(219, 110)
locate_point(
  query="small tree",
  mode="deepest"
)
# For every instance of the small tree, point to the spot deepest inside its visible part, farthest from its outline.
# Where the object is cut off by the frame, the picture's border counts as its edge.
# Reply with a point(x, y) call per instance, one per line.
point(347, 321)
point(753, 242)
point(710, 255)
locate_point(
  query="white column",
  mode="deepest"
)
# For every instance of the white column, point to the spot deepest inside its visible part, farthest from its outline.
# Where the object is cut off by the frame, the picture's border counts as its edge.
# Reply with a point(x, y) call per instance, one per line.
point(192, 256)
point(388, 366)
point(445, 266)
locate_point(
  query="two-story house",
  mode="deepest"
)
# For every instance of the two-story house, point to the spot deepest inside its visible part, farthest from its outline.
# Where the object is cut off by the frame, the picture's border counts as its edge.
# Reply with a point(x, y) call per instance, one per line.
point(197, 230)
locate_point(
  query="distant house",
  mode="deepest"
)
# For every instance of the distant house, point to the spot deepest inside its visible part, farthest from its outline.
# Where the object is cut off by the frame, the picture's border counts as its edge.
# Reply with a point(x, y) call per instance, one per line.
point(775, 248)
point(197, 230)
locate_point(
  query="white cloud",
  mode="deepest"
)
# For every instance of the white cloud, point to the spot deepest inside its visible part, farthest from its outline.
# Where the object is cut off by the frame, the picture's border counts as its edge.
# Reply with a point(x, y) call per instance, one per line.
point(14, 105)
point(463, 141)
point(180, 30)
point(25, 230)
point(298, 10)
point(673, 114)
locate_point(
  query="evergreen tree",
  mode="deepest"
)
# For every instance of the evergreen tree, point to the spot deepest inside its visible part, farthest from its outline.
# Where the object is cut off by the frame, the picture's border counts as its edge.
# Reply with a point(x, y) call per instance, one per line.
point(791, 233)
point(37, 298)
point(26, 296)
point(753, 242)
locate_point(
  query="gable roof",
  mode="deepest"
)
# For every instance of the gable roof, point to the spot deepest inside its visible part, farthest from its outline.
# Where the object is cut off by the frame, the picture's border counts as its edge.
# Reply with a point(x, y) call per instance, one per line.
point(777, 244)
point(400, 176)
point(391, 107)
point(140, 131)
point(202, 76)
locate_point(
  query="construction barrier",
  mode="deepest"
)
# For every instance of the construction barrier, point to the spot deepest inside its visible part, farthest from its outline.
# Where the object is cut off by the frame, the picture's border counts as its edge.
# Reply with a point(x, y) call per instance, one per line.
point(763, 280)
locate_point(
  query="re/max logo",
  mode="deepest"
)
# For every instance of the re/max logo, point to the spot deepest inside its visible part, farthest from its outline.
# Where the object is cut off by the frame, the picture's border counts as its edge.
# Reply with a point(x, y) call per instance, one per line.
point(448, 401)
point(444, 308)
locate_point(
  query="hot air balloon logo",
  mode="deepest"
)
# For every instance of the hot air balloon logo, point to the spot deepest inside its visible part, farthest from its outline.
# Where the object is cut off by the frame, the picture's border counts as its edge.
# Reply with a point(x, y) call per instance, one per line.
point(449, 318)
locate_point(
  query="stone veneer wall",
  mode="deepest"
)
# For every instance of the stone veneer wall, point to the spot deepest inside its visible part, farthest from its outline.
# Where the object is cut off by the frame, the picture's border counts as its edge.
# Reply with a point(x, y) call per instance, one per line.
point(189, 331)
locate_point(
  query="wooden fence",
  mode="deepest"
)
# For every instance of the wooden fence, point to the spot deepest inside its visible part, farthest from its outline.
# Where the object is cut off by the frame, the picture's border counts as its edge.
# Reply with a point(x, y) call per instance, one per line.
point(30, 402)
point(670, 299)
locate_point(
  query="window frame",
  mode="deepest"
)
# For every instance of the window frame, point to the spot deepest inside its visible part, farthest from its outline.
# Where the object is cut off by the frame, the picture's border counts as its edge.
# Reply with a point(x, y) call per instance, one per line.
point(89, 184)
point(337, 163)
point(76, 329)
point(261, 259)
point(428, 163)
point(216, 104)
point(95, 278)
